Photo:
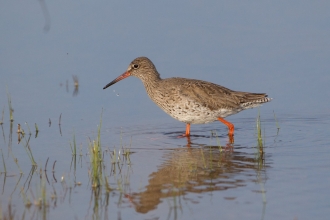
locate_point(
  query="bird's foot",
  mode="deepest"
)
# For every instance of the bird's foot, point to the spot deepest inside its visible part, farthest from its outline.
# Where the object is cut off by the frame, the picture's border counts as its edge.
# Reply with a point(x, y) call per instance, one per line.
point(188, 139)
point(231, 138)
point(183, 135)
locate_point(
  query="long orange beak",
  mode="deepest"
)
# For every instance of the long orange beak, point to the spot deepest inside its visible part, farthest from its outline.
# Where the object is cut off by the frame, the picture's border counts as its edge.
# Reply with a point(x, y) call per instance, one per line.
point(122, 76)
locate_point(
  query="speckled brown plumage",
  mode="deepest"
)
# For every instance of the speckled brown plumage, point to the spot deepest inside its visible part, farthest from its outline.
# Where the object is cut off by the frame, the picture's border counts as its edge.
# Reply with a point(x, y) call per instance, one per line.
point(189, 100)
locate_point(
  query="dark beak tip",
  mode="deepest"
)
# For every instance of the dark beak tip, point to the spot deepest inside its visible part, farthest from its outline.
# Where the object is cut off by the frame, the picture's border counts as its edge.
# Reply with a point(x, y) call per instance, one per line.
point(109, 84)
point(122, 76)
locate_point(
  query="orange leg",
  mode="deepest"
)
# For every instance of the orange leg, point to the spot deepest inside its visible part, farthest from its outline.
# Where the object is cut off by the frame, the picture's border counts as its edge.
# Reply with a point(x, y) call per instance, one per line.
point(187, 130)
point(230, 128)
point(229, 125)
point(187, 134)
point(231, 138)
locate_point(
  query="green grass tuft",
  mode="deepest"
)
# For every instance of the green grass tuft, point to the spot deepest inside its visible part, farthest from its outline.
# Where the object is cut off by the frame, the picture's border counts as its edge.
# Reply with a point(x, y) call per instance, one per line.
point(73, 146)
point(96, 160)
point(260, 143)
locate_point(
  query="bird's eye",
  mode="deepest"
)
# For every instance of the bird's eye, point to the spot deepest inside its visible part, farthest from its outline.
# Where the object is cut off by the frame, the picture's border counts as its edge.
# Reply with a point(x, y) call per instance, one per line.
point(135, 66)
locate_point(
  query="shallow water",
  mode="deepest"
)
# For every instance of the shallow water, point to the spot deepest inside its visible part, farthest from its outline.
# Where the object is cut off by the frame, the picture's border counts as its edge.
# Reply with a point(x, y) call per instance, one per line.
point(278, 48)
point(164, 178)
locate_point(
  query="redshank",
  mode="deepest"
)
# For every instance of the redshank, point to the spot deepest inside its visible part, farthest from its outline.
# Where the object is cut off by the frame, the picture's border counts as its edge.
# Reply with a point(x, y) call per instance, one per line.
point(191, 101)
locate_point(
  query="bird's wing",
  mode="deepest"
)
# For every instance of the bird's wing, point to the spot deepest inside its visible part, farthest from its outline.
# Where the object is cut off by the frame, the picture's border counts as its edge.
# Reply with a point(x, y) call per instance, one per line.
point(209, 95)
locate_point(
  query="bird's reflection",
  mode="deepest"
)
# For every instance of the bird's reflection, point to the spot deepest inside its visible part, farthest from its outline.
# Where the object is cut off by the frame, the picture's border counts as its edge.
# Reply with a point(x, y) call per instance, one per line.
point(196, 170)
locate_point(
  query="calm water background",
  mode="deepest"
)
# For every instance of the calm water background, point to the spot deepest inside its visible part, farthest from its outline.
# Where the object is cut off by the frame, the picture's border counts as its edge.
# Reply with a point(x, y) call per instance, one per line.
point(281, 48)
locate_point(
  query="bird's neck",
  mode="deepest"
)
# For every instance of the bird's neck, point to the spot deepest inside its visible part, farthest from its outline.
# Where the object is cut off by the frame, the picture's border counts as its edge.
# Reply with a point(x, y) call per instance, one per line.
point(151, 82)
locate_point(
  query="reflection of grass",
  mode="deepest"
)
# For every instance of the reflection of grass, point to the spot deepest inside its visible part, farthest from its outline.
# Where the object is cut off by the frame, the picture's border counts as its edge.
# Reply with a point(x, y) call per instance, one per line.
point(28, 151)
point(3, 161)
point(11, 110)
point(28, 128)
point(73, 146)
point(260, 157)
point(37, 129)
point(41, 200)
point(37, 197)
point(27, 201)
point(16, 161)
point(203, 157)
point(3, 112)
point(10, 214)
point(276, 122)
point(214, 134)
point(127, 152)
point(118, 160)
point(260, 144)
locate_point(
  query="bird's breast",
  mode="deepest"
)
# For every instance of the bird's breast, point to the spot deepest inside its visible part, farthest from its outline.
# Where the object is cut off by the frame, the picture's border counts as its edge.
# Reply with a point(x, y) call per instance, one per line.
point(188, 111)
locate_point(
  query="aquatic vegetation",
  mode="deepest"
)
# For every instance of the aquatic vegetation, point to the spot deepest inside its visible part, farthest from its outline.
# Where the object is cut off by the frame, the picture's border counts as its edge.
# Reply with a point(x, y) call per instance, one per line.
point(260, 157)
point(73, 146)
point(96, 160)
point(28, 150)
point(207, 168)
point(95, 157)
